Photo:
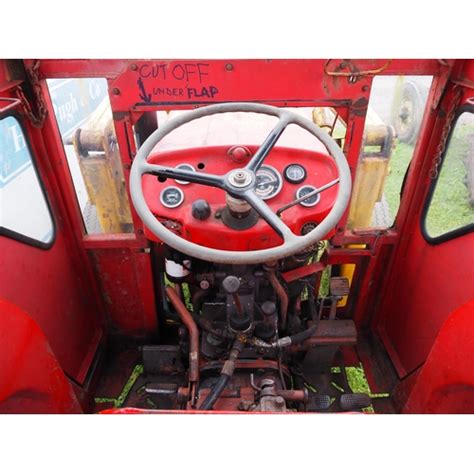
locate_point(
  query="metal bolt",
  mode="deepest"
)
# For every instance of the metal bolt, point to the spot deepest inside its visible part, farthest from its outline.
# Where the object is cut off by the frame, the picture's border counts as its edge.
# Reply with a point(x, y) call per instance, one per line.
point(204, 284)
point(133, 67)
point(229, 67)
point(116, 91)
point(365, 88)
point(279, 401)
point(240, 177)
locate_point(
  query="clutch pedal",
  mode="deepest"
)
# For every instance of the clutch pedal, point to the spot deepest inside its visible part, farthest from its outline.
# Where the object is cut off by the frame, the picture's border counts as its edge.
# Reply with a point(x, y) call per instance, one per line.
point(317, 402)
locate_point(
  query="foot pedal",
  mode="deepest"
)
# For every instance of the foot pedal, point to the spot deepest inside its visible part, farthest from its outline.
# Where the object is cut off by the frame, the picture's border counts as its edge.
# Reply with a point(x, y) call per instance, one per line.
point(318, 402)
point(354, 401)
point(161, 388)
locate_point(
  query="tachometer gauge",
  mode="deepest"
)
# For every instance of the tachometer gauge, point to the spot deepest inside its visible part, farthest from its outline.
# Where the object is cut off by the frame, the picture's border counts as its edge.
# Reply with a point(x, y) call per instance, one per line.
point(186, 167)
point(295, 173)
point(171, 197)
point(269, 182)
point(312, 200)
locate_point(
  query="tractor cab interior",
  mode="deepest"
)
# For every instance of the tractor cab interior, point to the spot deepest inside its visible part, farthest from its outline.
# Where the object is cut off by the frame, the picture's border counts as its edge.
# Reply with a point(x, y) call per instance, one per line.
point(236, 236)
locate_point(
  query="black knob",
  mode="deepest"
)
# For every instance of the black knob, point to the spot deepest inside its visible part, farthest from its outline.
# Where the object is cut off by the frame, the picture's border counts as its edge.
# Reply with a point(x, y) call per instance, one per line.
point(268, 308)
point(200, 209)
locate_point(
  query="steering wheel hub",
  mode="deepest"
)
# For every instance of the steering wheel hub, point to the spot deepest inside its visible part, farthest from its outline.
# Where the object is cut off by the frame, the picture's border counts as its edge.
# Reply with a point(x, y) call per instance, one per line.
point(240, 178)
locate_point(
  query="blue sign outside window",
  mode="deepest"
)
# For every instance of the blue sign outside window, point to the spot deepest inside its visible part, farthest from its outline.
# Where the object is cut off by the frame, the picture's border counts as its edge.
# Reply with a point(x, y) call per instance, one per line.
point(14, 154)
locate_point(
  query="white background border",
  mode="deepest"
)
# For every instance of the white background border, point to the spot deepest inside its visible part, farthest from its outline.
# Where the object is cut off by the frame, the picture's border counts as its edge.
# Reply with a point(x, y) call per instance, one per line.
point(236, 29)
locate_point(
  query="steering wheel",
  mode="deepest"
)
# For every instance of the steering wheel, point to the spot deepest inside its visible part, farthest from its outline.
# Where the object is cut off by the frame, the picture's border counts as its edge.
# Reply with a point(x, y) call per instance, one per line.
point(239, 183)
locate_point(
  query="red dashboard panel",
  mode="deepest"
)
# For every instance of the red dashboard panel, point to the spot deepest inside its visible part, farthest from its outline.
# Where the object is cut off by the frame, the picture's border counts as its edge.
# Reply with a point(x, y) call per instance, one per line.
point(212, 232)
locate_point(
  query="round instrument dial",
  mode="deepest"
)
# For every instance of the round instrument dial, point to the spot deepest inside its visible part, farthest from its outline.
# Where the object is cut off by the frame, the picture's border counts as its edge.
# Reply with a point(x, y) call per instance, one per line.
point(187, 167)
point(312, 200)
point(268, 182)
point(295, 173)
point(171, 197)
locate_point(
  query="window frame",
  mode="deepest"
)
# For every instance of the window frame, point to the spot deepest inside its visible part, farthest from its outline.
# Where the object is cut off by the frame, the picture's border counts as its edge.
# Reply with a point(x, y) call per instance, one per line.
point(4, 231)
point(460, 231)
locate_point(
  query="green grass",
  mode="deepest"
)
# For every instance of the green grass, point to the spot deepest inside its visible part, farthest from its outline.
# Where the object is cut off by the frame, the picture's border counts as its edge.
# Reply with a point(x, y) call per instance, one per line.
point(120, 400)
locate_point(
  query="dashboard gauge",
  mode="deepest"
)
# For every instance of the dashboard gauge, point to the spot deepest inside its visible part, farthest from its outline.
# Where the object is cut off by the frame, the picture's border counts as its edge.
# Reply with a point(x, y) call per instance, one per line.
point(295, 173)
point(171, 197)
point(312, 200)
point(308, 227)
point(268, 182)
point(187, 167)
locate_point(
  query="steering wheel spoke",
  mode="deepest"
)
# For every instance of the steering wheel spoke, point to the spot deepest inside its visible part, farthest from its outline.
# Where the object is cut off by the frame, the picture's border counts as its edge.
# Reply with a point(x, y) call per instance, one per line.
point(183, 175)
point(267, 214)
point(268, 144)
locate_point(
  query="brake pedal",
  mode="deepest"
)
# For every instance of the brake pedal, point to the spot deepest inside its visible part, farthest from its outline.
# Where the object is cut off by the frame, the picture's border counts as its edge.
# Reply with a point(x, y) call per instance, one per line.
point(354, 401)
point(317, 402)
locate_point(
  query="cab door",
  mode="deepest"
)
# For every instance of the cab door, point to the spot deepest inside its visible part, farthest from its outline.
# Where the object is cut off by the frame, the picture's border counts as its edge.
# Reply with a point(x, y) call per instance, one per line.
point(433, 267)
point(43, 271)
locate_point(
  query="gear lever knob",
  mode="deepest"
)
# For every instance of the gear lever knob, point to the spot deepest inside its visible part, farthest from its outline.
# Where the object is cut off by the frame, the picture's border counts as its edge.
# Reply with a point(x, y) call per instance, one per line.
point(231, 284)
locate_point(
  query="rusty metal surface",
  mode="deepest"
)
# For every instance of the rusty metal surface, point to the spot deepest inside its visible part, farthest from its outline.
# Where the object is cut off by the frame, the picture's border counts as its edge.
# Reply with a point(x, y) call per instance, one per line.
point(331, 332)
point(193, 331)
point(282, 297)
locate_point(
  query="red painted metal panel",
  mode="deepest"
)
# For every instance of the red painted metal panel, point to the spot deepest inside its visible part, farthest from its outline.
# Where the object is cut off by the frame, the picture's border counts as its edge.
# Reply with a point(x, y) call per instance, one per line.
point(46, 285)
point(113, 67)
point(31, 379)
point(431, 282)
point(427, 282)
point(191, 82)
point(445, 383)
point(213, 233)
point(82, 67)
point(127, 288)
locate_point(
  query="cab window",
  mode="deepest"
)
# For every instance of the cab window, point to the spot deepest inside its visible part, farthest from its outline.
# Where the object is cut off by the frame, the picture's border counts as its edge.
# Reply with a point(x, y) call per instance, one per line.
point(450, 209)
point(24, 211)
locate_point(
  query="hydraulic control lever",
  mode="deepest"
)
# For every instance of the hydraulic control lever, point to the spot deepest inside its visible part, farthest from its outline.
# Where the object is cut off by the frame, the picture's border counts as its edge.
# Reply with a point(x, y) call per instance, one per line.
point(231, 285)
point(239, 312)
